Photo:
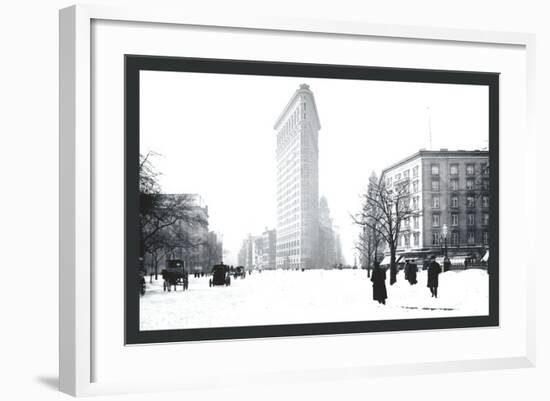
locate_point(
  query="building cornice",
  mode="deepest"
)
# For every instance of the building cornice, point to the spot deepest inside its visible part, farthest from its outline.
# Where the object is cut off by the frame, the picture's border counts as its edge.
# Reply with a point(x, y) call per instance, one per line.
point(437, 153)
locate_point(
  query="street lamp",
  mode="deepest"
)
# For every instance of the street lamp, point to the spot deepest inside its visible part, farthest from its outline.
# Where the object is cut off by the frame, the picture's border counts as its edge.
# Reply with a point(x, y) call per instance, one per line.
point(446, 261)
point(445, 232)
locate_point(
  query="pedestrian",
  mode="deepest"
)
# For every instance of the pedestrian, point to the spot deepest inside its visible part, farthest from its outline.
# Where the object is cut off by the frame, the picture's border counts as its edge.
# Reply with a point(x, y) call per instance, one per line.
point(433, 276)
point(378, 279)
point(411, 272)
point(446, 264)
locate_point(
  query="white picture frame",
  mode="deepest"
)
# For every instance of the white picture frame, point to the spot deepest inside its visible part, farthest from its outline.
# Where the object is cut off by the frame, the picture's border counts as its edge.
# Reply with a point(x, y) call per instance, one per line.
point(79, 345)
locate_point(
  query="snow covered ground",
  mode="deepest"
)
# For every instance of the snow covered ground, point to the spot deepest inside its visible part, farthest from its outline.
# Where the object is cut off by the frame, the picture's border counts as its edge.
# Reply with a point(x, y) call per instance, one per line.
point(280, 297)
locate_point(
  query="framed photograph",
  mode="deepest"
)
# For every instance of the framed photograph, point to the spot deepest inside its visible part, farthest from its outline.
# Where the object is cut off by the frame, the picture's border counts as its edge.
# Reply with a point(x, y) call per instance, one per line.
point(227, 182)
point(257, 188)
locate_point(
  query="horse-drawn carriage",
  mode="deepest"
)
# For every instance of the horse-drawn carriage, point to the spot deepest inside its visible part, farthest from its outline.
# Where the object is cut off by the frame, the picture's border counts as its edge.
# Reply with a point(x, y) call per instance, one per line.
point(239, 272)
point(174, 274)
point(220, 276)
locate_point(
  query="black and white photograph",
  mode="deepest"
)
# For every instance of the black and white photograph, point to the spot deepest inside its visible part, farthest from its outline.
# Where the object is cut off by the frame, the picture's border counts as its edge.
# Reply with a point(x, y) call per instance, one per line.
point(269, 200)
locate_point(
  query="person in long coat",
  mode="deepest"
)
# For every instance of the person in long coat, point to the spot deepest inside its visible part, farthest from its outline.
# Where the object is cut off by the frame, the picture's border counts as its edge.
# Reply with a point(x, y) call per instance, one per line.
point(378, 278)
point(433, 276)
point(411, 269)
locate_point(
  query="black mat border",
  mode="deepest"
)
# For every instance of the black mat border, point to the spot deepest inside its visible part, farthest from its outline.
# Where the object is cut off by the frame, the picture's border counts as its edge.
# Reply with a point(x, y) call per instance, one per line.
point(136, 63)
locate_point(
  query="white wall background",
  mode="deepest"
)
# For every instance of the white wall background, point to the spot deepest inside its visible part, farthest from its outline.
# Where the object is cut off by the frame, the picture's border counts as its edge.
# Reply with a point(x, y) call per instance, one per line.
point(29, 200)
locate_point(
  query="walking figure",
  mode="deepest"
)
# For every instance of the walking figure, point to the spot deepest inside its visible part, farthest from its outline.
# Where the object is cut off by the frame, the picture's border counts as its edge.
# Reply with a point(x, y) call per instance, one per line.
point(378, 278)
point(411, 270)
point(433, 276)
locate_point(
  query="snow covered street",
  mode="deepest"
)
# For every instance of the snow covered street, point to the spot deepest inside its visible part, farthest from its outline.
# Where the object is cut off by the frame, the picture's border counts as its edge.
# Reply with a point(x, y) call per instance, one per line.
point(282, 297)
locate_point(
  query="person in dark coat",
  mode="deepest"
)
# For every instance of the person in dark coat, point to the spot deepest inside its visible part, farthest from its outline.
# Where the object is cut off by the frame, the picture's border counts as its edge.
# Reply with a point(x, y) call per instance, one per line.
point(411, 270)
point(446, 264)
point(433, 276)
point(378, 278)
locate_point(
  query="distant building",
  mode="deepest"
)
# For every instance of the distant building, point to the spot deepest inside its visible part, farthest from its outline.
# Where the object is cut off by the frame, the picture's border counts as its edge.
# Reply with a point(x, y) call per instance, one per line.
point(450, 189)
point(251, 253)
point(298, 182)
point(258, 251)
point(269, 254)
point(213, 251)
point(191, 243)
point(338, 254)
point(327, 244)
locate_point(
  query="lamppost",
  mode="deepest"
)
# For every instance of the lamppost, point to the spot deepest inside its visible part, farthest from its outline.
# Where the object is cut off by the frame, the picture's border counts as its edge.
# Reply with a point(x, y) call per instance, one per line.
point(445, 232)
point(446, 261)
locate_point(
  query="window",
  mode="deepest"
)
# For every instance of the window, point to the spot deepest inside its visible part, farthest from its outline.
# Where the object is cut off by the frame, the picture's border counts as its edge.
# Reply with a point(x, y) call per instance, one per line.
point(454, 202)
point(470, 201)
point(416, 237)
point(435, 185)
point(415, 186)
point(435, 238)
point(415, 221)
point(407, 222)
point(471, 237)
point(485, 219)
point(415, 203)
point(415, 171)
point(484, 168)
point(435, 202)
point(454, 219)
point(407, 240)
point(454, 185)
point(435, 220)
point(471, 219)
point(435, 169)
point(485, 184)
point(397, 177)
point(454, 238)
point(406, 174)
point(469, 183)
point(485, 201)
point(469, 169)
point(454, 169)
point(485, 238)
point(388, 181)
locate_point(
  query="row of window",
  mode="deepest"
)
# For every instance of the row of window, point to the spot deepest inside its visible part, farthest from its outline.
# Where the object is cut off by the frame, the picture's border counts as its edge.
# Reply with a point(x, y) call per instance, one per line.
point(454, 169)
point(470, 201)
point(454, 185)
point(405, 175)
point(438, 239)
point(435, 171)
point(436, 219)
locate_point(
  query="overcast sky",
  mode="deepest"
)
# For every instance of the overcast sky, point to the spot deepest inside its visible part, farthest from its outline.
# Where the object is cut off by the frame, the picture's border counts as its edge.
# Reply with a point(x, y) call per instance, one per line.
point(215, 134)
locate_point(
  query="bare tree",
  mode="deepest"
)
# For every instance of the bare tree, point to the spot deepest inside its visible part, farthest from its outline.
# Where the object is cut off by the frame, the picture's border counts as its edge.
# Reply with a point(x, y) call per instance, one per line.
point(368, 245)
point(385, 209)
point(369, 240)
point(167, 221)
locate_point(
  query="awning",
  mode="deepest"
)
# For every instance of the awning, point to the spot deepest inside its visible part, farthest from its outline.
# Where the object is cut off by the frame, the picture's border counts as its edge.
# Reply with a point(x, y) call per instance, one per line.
point(485, 257)
point(455, 260)
point(458, 260)
point(387, 259)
